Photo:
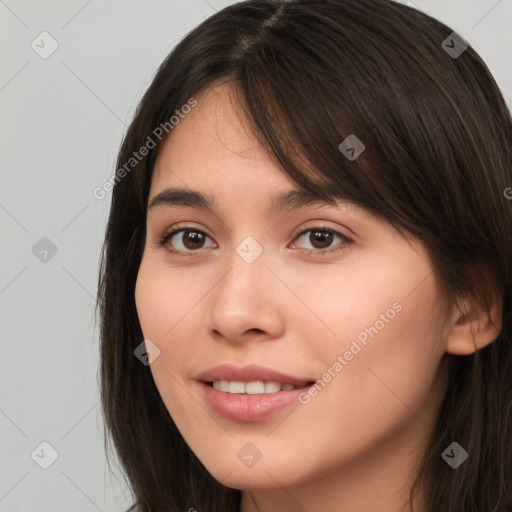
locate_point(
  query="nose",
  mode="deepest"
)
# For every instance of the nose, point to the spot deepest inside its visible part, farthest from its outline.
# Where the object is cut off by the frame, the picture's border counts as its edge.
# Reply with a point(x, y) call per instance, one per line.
point(245, 303)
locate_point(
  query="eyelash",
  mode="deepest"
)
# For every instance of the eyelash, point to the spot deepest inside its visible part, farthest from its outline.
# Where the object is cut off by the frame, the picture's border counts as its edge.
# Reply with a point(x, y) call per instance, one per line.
point(162, 241)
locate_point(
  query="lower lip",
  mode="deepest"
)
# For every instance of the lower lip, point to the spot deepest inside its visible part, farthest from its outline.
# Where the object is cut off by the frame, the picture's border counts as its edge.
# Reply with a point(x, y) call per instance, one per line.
point(249, 408)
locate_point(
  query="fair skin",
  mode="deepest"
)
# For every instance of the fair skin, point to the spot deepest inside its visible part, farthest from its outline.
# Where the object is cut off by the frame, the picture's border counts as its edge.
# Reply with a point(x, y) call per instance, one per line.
point(356, 445)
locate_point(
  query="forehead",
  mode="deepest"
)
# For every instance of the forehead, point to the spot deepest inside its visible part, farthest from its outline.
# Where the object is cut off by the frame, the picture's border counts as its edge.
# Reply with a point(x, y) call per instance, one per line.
point(217, 136)
point(217, 120)
point(214, 141)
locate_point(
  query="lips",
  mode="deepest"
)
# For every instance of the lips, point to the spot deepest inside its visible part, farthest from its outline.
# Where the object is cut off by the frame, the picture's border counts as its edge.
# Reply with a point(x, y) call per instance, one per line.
point(250, 393)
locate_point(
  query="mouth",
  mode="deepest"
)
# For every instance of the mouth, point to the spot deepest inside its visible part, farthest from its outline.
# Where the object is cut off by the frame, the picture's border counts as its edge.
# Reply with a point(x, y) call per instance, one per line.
point(256, 387)
point(250, 393)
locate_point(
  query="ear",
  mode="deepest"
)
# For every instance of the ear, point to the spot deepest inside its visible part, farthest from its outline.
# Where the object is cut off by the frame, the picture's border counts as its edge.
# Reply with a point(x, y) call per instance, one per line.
point(473, 328)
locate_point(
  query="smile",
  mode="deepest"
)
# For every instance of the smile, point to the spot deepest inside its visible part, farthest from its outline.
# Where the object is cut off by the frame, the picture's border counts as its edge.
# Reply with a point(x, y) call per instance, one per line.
point(257, 387)
point(249, 393)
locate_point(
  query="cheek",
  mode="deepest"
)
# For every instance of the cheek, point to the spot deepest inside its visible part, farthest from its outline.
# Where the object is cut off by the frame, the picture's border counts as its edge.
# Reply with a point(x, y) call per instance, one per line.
point(161, 298)
point(383, 325)
point(365, 303)
point(149, 301)
point(156, 304)
point(166, 303)
point(391, 359)
point(163, 303)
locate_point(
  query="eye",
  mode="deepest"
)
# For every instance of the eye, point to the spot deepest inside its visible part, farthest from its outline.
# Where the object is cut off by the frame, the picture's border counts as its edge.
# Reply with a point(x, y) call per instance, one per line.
point(190, 239)
point(321, 238)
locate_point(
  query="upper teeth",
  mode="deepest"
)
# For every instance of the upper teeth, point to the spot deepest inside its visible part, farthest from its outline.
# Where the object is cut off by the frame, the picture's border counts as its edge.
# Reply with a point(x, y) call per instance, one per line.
point(251, 388)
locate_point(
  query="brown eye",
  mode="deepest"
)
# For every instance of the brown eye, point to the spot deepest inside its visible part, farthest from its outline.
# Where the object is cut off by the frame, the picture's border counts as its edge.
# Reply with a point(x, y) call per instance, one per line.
point(192, 239)
point(321, 239)
point(184, 240)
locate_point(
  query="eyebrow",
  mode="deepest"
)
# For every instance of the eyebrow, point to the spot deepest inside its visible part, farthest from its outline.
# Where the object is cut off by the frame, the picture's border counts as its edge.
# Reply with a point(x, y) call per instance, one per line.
point(293, 199)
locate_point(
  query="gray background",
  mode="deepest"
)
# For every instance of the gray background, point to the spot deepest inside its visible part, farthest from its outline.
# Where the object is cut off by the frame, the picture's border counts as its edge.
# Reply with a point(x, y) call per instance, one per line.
point(62, 122)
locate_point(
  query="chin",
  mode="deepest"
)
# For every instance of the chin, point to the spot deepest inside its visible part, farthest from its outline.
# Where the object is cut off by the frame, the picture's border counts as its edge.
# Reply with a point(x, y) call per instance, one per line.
point(262, 475)
point(248, 479)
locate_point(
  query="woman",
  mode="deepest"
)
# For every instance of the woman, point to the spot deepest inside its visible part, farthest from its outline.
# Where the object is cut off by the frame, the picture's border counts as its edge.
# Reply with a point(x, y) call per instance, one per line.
point(305, 284)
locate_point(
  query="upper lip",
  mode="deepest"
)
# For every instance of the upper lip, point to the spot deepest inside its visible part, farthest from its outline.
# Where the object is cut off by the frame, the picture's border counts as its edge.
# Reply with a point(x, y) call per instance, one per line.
point(249, 373)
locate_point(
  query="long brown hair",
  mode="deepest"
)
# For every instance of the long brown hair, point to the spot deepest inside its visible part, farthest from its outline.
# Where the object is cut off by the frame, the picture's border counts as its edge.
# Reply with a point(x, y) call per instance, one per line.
point(436, 164)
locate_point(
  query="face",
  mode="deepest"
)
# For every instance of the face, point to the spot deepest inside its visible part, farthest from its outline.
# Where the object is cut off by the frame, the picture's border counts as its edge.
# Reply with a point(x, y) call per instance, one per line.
point(246, 292)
